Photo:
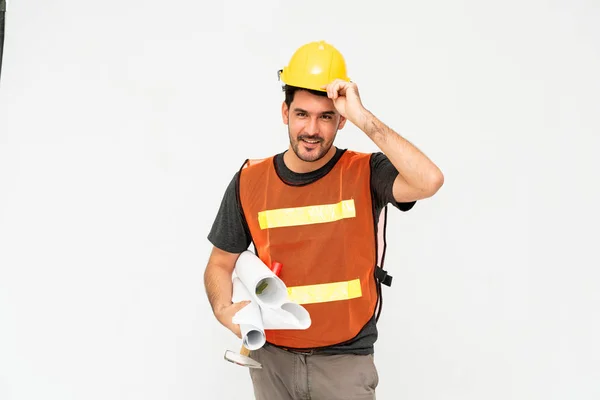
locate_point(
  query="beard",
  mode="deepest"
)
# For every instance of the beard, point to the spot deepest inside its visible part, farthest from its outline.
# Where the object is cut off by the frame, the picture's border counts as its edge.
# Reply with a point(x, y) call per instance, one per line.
point(309, 152)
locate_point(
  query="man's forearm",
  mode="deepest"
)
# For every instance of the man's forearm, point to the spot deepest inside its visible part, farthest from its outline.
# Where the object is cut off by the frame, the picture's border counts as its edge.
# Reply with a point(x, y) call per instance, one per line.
point(414, 166)
point(218, 286)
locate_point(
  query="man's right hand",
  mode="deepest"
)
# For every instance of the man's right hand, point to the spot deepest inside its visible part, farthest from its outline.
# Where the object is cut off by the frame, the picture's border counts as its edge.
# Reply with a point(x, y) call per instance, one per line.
point(224, 315)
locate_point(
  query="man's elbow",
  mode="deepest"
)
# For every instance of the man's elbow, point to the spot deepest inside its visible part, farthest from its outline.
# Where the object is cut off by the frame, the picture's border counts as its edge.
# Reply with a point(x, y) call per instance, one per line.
point(434, 182)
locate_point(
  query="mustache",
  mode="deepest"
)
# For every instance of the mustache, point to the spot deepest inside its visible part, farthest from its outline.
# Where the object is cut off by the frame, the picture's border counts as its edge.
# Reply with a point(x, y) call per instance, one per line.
point(309, 137)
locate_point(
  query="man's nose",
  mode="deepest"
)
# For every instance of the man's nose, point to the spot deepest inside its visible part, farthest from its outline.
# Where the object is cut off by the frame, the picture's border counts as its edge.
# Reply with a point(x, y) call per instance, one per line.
point(312, 127)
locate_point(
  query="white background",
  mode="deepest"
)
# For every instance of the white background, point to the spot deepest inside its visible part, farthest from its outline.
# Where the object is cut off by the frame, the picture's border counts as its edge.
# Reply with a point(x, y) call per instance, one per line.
point(122, 122)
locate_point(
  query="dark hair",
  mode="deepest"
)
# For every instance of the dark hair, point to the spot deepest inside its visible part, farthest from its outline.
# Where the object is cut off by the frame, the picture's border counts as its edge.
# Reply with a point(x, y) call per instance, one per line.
point(290, 91)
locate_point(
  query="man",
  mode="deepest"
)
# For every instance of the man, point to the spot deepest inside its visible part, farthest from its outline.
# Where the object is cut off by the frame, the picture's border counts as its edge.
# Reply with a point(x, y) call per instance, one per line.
point(319, 211)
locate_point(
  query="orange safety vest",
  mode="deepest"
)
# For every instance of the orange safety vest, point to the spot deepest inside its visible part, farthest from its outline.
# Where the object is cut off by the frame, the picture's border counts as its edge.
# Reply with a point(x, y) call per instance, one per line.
point(324, 235)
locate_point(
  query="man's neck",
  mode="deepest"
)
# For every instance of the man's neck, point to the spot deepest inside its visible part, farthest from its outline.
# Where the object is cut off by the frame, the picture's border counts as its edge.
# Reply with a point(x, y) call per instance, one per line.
point(295, 164)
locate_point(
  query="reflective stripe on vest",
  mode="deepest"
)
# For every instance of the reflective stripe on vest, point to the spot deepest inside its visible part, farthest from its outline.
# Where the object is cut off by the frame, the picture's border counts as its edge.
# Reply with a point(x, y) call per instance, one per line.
point(306, 215)
point(325, 292)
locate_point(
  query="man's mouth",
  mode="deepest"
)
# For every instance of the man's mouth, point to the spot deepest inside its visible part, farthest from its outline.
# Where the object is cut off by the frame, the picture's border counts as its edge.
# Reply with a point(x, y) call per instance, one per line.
point(310, 141)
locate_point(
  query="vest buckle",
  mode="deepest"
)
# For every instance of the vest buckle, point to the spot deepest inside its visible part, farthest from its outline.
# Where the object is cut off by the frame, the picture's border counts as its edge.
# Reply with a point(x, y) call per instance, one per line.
point(382, 276)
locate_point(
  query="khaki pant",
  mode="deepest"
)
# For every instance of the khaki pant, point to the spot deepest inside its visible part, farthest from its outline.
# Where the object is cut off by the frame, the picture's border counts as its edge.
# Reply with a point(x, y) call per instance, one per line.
point(292, 376)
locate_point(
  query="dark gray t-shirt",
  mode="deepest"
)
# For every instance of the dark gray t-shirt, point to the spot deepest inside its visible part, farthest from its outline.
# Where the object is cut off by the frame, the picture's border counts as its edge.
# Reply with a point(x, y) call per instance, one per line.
point(229, 231)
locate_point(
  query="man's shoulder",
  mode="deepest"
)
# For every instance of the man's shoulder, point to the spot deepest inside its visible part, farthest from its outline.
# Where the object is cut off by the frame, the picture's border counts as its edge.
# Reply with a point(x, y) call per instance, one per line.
point(256, 161)
point(378, 158)
point(254, 169)
point(357, 155)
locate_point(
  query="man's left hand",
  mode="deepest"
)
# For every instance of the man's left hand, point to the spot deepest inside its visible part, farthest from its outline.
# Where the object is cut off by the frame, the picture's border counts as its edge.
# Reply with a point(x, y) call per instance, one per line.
point(346, 100)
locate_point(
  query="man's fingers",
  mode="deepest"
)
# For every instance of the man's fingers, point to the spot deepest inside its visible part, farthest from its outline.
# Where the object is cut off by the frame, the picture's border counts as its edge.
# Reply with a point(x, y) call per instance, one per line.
point(237, 331)
point(332, 90)
point(336, 88)
point(239, 305)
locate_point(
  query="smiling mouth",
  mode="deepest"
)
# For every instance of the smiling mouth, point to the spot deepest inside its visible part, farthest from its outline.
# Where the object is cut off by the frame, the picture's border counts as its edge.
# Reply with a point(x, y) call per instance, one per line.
point(310, 141)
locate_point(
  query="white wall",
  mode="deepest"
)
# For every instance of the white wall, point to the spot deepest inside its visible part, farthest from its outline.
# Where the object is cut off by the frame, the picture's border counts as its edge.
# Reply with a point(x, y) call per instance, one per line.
point(121, 123)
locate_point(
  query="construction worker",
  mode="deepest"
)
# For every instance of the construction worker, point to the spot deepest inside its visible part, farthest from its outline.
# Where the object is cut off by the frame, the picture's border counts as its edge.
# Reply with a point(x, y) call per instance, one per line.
point(320, 211)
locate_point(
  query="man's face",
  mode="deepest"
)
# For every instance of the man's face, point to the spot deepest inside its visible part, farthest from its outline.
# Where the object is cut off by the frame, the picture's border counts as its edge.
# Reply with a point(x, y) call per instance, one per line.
point(312, 125)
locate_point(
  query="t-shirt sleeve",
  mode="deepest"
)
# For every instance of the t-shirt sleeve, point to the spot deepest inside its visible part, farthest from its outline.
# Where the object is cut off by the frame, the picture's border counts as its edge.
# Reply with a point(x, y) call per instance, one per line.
point(229, 231)
point(383, 174)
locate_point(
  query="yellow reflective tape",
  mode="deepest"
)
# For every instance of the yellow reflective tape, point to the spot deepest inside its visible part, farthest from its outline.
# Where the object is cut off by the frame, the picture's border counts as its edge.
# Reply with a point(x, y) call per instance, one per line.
point(306, 215)
point(325, 292)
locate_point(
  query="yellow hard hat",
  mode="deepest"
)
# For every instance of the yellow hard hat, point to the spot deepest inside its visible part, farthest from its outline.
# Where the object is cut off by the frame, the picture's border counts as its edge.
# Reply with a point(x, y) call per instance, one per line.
point(313, 66)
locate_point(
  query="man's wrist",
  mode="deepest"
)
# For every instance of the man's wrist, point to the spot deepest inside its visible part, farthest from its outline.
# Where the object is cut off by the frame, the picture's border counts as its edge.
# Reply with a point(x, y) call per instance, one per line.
point(370, 125)
point(219, 307)
point(362, 119)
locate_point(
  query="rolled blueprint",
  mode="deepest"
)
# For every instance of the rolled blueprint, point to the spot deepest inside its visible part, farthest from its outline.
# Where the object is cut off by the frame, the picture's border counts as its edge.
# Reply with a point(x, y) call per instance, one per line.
point(269, 306)
point(289, 316)
point(261, 282)
point(249, 317)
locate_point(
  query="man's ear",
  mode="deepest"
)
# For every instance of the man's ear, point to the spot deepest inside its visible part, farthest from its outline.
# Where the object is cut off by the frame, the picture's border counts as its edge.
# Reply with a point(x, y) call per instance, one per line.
point(285, 113)
point(342, 122)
